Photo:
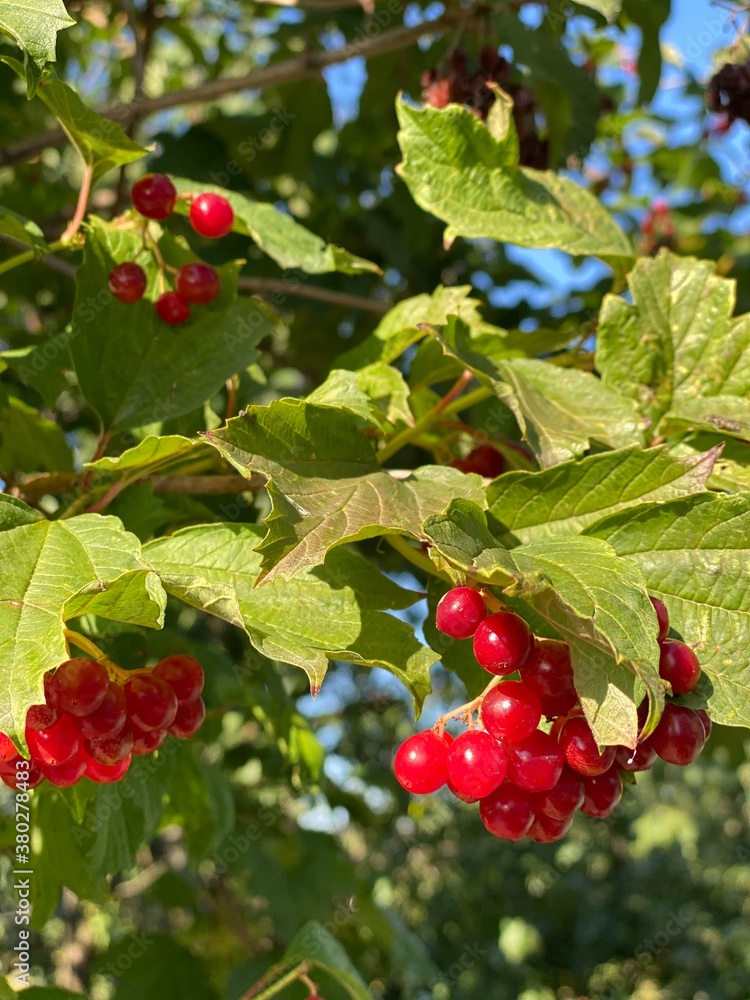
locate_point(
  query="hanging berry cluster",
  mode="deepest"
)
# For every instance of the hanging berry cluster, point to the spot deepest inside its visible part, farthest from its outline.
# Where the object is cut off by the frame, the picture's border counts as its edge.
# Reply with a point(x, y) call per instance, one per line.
point(527, 780)
point(154, 197)
point(460, 85)
point(658, 228)
point(729, 92)
point(95, 720)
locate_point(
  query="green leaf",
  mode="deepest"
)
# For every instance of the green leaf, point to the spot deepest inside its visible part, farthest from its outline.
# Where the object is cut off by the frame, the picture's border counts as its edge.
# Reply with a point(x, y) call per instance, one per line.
point(18, 228)
point(34, 27)
point(52, 571)
point(676, 349)
point(694, 554)
point(377, 393)
point(526, 506)
point(455, 169)
point(323, 951)
point(607, 8)
point(650, 18)
point(133, 368)
point(279, 235)
point(28, 441)
point(327, 487)
point(731, 472)
point(147, 964)
point(561, 411)
point(152, 454)
point(334, 612)
point(596, 601)
point(14, 513)
point(100, 142)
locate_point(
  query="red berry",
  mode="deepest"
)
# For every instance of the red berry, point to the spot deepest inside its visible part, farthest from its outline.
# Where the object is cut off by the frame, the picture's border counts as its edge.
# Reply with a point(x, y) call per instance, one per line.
point(662, 617)
point(460, 612)
point(188, 720)
point(579, 746)
point(602, 793)
point(154, 196)
point(679, 665)
point(110, 750)
point(211, 215)
point(151, 702)
point(462, 796)
point(41, 717)
point(109, 718)
point(511, 711)
point(564, 799)
point(67, 774)
point(640, 759)
point(79, 686)
point(502, 642)
point(8, 751)
point(56, 745)
point(703, 716)
point(104, 773)
point(680, 735)
point(548, 673)
point(476, 764)
point(535, 763)
point(127, 282)
point(171, 308)
point(183, 674)
point(146, 743)
point(545, 830)
point(198, 283)
point(421, 763)
point(507, 813)
point(18, 775)
point(485, 461)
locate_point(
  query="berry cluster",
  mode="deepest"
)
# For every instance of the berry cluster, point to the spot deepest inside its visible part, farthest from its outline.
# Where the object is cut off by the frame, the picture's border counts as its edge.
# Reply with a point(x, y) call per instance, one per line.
point(154, 197)
point(93, 723)
point(530, 780)
point(729, 92)
point(658, 228)
point(462, 86)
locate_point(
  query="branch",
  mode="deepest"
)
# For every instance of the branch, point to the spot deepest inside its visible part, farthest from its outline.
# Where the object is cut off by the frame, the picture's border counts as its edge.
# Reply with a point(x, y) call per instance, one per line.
point(267, 287)
point(322, 5)
point(308, 66)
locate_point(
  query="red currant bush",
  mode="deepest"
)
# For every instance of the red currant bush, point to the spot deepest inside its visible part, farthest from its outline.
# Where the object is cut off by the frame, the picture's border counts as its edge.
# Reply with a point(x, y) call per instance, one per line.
point(502, 642)
point(154, 196)
point(460, 612)
point(127, 282)
point(211, 215)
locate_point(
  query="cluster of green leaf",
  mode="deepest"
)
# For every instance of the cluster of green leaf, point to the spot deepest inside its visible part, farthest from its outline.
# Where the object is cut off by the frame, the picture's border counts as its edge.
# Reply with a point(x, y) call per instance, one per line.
point(307, 530)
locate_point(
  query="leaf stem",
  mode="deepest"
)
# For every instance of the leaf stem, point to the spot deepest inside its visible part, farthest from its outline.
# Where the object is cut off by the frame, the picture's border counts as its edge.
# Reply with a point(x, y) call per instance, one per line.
point(90, 648)
point(28, 256)
point(448, 405)
point(415, 557)
point(83, 200)
point(258, 992)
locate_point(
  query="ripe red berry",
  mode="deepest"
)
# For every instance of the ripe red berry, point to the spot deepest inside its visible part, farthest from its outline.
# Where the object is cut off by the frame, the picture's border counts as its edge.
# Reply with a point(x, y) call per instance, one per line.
point(18, 775)
point(172, 309)
point(188, 720)
point(602, 793)
point(183, 674)
point(127, 282)
point(79, 686)
point(548, 672)
point(198, 283)
point(679, 665)
point(56, 745)
point(110, 750)
point(421, 763)
point(151, 702)
point(154, 196)
point(564, 799)
point(680, 735)
point(507, 812)
point(535, 763)
point(581, 752)
point(545, 830)
point(502, 642)
point(485, 461)
point(662, 617)
point(511, 711)
point(640, 759)
point(109, 718)
point(8, 751)
point(211, 216)
point(145, 743)
point(67, 774)
point(462, 796)
point(40, 717)
point(476, 764)
point(703, 716)
point(460, 612)
point(105, 773)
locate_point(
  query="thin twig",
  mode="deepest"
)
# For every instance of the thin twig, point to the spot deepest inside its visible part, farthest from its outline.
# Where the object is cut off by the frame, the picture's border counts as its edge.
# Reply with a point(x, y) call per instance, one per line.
point(80, 212)
point(273, 287)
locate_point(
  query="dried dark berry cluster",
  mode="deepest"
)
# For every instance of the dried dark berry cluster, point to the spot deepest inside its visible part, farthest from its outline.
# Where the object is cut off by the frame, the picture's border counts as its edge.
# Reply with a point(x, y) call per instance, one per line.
point(729, 92)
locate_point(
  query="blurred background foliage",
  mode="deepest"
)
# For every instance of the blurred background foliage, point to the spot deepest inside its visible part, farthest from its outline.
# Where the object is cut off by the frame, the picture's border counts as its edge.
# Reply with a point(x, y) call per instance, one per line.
point(284, 810)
